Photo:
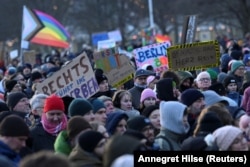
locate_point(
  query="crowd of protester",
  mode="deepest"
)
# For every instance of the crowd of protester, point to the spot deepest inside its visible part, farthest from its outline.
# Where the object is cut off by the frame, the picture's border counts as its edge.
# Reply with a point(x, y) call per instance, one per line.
point(171, 111)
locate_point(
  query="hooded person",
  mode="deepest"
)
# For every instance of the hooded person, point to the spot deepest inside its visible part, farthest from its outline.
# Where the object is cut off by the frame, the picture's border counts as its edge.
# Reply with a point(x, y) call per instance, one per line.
point(237, 71)
point(174, 125)
point(116, 123)
point(89, 150)
point(186, 80)
point(53, 121)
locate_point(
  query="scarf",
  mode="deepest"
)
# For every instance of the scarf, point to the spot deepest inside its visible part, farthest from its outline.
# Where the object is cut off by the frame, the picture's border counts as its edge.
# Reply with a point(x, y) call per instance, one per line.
point(52, 128)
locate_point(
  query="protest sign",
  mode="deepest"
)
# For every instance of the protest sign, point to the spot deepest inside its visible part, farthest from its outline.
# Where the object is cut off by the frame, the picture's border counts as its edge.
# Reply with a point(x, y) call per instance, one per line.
point(76, 79)
point(155, 55)
point(116, 67)
point(99, 37)
point(29, 57)
point(194, 56)
point(105, 44)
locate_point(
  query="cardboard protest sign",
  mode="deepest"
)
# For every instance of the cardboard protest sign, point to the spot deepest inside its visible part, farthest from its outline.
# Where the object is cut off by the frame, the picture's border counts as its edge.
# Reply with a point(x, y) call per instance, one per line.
point(155, 55)
point(116, 67)
point(29, 57)
point(76, 79)
point(194, 56)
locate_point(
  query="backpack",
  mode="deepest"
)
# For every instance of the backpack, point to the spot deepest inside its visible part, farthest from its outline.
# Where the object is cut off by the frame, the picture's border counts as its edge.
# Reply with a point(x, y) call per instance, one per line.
point(167, 140)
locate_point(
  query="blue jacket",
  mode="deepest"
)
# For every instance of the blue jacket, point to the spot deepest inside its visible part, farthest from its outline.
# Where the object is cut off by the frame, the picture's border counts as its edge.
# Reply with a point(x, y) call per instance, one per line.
point(6, 151)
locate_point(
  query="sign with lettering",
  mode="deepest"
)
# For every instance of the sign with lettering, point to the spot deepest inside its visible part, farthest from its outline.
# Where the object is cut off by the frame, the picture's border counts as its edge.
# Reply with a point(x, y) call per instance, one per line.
point(76, 79)
point(116, 67)
point(155, 55)
point(194, 56)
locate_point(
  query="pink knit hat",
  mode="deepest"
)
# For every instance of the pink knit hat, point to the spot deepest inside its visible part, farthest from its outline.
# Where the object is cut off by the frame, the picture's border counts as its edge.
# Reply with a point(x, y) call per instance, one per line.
point(146, 93)
point(150, 79)
point(225, 136)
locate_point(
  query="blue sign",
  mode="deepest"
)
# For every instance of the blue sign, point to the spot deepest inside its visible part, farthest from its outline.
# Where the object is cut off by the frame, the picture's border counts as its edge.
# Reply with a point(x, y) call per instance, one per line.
point(99, 37)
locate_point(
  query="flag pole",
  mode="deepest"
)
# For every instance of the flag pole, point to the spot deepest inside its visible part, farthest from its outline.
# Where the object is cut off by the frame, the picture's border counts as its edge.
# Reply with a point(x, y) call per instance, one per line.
point(21, 48)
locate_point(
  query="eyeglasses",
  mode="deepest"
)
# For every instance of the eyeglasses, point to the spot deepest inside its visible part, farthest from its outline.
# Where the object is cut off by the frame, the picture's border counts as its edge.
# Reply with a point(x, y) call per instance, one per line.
point(204, 79)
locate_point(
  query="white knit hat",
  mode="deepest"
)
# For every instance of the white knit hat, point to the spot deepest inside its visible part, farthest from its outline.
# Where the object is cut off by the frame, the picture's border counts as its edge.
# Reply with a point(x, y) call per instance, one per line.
point(225, 136)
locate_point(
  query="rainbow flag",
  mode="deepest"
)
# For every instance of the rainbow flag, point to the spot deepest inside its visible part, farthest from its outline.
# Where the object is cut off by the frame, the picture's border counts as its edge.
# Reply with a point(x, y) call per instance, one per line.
point(52, 33)
point(161, 38)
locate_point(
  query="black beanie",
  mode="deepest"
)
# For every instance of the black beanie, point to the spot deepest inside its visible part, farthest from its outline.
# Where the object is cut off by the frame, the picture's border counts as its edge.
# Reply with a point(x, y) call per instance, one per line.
point(3, 107)
point(14, 98)
point(100, 76)
point(236, 54)
point(9, 85)
point(164, 89)
point(210, 122)
point(75, 125)
point(89, 140)
point(148, 110)
point(35, 75)
point(79, 106)
point(138, 123)
point(134, 134)
point(13, 126)
point(189, 96)
point(218, 88)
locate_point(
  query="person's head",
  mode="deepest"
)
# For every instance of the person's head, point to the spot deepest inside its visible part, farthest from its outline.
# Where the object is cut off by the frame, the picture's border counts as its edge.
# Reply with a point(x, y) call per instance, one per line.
point(153, 114)
point(186, 80)
point(36, 77)
point(230, 84)
point(143, 125)
point(81, 107)
point(238, 68)
point(108, 103)
point(165, 89)
point(102, 80)
point(140, 79)
point(230, 138)
point(151, 81)
point(211, 98)
point(12, 86)
point(99, 110)
point(203, 80)
point(18, 101)
point(173, 117)
point(116, 123)
point(45, 158)
point(92, 142)
point(37, 104)
point(75, 126)
point(207, 122)
point(148, 97)
point(54, 109)
point(19, 78)
point(122, 99)
point(99, 127)
point(14, 132)
point(220, 110)
point(194, 99)
point(26, 69)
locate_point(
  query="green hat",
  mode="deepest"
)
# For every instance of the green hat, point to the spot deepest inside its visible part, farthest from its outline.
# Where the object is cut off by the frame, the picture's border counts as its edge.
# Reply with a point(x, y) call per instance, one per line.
point(236, 65)
point(79, 106)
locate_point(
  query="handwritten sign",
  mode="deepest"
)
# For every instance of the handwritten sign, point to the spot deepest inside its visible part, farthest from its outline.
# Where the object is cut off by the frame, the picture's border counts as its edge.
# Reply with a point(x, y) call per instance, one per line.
point(155, 55)
point(116, 66)
point(107, 59)
point(194, 56)
point(76, 79)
